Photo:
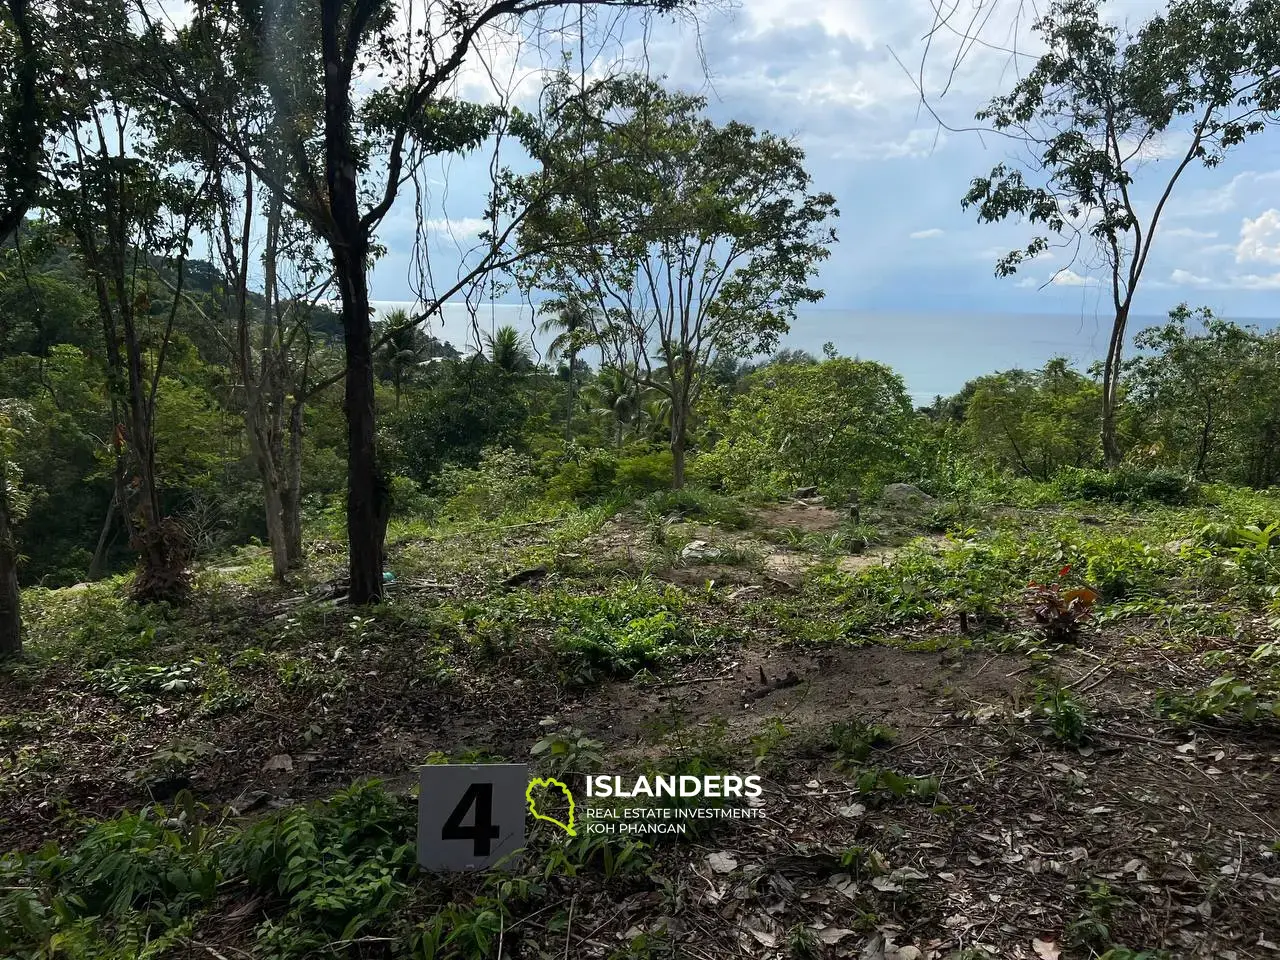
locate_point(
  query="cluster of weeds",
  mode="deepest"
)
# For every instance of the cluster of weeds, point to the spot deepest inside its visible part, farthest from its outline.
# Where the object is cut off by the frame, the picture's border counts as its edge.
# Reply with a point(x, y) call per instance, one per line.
point(765, 744)
point(94, 626)
point(336, 868)
point(1092, 929)
point(1066, 719)
point(129, 882)
point(568, 750)
point(144, 683)
point(880, 784)
point(633, 626)
point(855, 740)
point(693, 750)
point(1227, 697)
point(1128, 485)
point(695, 504)
point(174, 759)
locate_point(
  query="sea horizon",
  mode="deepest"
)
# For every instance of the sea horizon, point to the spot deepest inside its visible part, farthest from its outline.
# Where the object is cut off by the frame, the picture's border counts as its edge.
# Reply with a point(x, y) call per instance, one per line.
point(935, 352)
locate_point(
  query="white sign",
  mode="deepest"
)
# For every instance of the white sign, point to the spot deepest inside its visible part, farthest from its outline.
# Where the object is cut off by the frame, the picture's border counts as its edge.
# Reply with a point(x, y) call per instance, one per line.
point(470, 816)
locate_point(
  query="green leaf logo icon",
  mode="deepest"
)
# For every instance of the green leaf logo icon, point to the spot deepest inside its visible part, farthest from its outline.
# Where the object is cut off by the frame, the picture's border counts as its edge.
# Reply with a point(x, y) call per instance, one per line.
point(547, 784)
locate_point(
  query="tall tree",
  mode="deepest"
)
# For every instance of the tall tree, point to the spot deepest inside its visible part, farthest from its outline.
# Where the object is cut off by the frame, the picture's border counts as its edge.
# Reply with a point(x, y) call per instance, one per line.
point(572, 323)
point(694, 240)
point(1197, 80)
point(23, 112)
point(404, 348)
point(327, 50)
point(12, 507)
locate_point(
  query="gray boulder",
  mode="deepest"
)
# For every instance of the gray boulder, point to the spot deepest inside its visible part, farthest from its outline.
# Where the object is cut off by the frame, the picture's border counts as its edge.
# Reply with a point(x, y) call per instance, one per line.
point(905, 495)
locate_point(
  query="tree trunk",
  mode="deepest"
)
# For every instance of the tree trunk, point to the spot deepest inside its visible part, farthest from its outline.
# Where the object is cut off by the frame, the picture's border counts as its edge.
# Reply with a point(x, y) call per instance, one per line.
point(10, 597)
point(98, 565)
point(366, 487)
point(291, 495)
point(677, 449)
point(1111, 452)
point(348, 236)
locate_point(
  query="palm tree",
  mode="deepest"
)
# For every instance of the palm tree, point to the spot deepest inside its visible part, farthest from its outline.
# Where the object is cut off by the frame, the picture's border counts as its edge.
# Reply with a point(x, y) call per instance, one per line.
point(407, 349)
point(614, 393)
point(573, 322)
point(656, 410)
point(509, 350)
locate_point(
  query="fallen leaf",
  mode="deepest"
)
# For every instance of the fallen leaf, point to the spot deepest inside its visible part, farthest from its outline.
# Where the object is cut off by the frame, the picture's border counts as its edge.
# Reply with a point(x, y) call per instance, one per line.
point(1046, 949)
point(281, 761)
point(833, 934)
point(722, 862)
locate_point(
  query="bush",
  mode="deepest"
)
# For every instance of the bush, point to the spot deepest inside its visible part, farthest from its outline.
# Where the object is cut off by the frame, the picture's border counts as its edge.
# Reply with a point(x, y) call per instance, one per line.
point(695, 504)
point(1129, 485)
point(846, 426)
point(582, 476)
point(502, 482)
point(646, 472)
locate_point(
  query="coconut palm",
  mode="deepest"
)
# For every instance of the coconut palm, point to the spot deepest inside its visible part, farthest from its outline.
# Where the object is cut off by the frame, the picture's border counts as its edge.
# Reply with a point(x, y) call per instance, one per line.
point(406, 350)
point(573, 323)
point(509, 350)
point(614, 393)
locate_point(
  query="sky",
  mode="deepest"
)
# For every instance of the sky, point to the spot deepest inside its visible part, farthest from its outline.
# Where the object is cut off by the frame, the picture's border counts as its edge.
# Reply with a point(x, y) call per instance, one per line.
point(830, 74)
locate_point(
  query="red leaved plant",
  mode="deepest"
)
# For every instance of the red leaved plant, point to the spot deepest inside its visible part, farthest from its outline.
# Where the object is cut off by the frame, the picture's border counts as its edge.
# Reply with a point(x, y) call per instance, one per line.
point(1058, 610)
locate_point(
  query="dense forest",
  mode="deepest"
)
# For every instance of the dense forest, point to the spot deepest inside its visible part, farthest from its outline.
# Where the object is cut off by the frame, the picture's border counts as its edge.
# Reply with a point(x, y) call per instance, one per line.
point(1007, 663)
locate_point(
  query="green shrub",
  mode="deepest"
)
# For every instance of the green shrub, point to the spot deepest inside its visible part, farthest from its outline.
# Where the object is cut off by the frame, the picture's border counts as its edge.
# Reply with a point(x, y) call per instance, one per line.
point(692, 503)
point(503, 482)
point(1128, 485)
point(645, 473)
point(583, 476)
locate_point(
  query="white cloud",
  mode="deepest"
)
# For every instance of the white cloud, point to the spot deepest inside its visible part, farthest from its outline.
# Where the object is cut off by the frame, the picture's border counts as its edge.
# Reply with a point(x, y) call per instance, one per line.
point(1027, 283)
point(927, 234)
point(1184, 278)
point(1225, 198)
point(1188, 232)
point(1260, 238)
point(920, 142)
point(1069, 278)
point(1252, 281)
point(456, 227)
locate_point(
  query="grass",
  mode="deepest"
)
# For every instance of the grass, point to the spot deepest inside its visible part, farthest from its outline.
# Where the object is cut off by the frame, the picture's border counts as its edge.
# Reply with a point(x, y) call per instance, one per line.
point(140, 697)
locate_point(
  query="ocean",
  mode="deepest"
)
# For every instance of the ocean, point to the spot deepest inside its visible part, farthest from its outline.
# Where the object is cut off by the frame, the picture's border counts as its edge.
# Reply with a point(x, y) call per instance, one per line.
point(936, 353)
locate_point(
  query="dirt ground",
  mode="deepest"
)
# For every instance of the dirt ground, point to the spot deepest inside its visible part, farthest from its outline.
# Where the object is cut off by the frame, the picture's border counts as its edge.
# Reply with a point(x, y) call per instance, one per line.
point(1165, 836)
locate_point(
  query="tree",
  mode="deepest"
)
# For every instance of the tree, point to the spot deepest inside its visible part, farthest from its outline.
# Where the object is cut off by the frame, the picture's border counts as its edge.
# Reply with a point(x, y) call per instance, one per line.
point(13, 504)
point(116, 189)
point(404, 349)
point(691, 240)
point(509, 350)
point(332, 183)
point(615, 394)
point(573, 324)
point(845, 425)
point(1034, 423)
point(1199, 78)
point(1207, 402)
point(23, 112)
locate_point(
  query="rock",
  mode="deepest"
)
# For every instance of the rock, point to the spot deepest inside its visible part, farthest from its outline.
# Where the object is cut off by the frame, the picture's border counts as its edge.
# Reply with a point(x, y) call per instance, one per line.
point(699, 551)
point(804, 493)
point(905, 495)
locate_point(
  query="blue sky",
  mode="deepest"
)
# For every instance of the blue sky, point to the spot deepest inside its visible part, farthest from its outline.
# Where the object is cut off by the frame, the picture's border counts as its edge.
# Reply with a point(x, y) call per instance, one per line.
point(823, 72)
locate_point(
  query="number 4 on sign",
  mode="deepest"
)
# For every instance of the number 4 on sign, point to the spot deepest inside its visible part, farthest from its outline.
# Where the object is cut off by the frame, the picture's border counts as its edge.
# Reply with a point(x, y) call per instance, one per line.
point(470, 816)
